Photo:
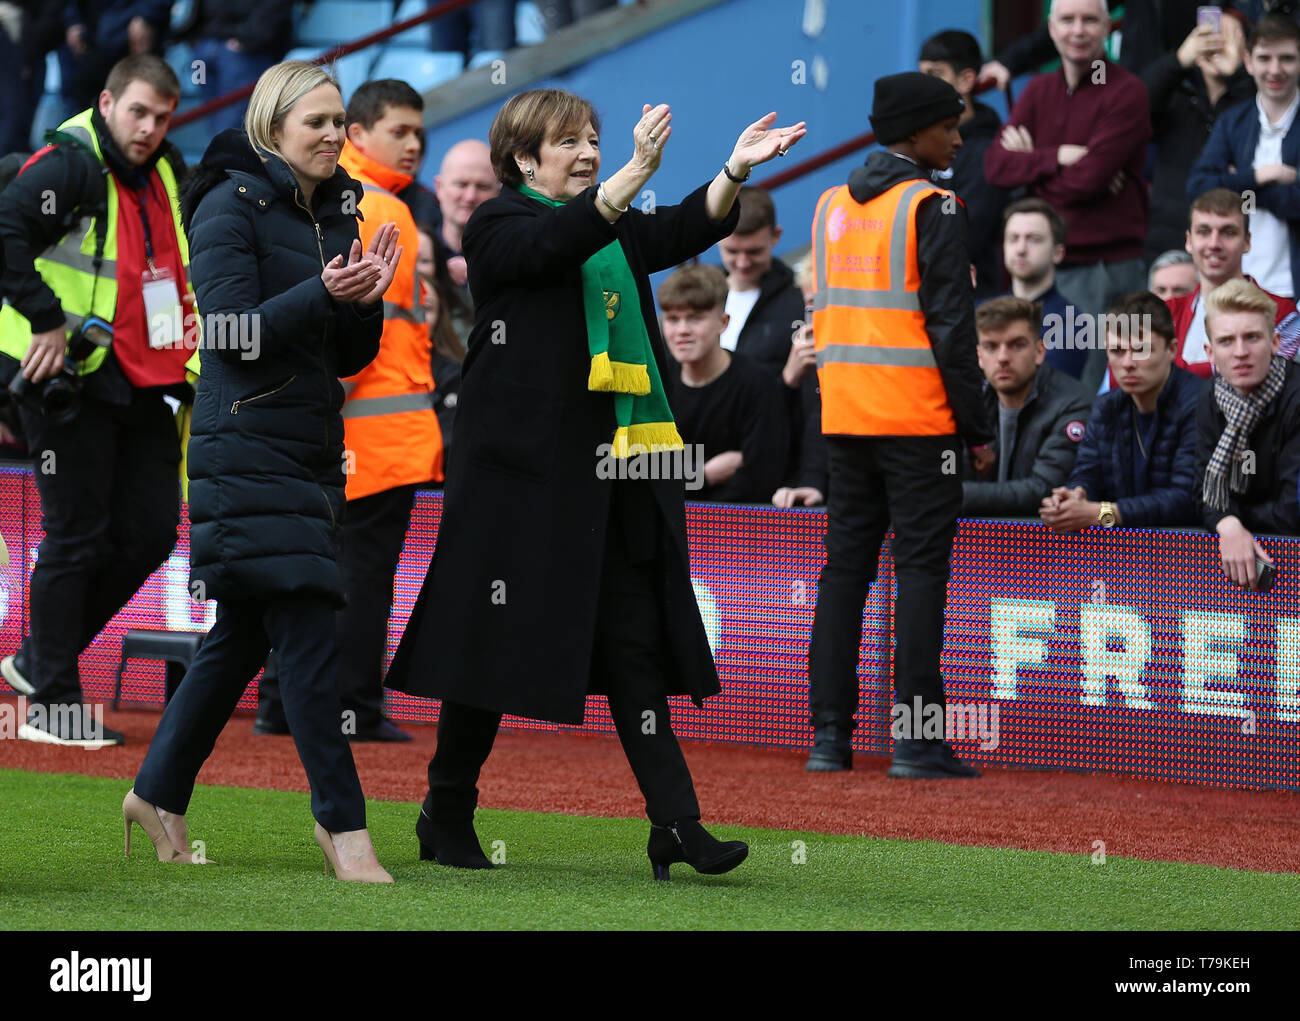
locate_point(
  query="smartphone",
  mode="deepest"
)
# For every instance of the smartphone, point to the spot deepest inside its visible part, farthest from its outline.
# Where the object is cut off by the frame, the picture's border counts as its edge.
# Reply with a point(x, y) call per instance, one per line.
point(1265, 574)
point(1209, 17)
point(807, 318)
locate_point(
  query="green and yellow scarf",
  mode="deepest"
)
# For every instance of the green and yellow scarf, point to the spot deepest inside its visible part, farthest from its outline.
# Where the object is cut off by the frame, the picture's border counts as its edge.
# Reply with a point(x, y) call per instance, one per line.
point(622, 360)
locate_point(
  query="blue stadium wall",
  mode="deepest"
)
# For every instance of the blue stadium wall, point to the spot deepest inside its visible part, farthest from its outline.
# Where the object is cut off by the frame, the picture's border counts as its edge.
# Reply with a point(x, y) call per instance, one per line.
point(725, 67)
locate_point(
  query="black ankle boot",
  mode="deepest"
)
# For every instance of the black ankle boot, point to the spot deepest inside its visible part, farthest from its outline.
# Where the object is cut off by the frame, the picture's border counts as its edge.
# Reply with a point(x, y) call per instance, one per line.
point(454, 844)
point(686, 840)
point(832, 750)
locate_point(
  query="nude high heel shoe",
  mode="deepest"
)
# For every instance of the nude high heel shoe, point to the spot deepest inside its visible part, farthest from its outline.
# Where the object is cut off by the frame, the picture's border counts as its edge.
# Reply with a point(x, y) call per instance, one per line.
point(136, 810)
point(377, 875)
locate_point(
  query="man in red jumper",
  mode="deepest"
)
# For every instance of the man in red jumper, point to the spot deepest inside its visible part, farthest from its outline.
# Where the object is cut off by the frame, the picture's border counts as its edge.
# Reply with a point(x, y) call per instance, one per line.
point(1218, 235)
point(1077, 137)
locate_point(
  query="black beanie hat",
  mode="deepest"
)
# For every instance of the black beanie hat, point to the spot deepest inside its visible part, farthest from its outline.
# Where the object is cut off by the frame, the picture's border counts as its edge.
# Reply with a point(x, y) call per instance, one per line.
point(910, 102)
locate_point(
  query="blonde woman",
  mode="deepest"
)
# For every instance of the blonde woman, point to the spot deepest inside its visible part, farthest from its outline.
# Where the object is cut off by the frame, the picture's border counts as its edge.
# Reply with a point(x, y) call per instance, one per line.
point(291, 303)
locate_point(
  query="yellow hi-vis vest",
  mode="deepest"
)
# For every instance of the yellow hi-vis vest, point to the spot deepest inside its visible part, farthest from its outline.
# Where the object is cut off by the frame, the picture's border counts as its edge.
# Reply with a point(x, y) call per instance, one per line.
point(68, 267)
point(875, 363)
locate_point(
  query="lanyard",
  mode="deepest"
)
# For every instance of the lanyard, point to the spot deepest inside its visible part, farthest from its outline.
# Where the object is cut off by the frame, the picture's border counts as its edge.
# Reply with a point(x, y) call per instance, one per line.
point(143, 192)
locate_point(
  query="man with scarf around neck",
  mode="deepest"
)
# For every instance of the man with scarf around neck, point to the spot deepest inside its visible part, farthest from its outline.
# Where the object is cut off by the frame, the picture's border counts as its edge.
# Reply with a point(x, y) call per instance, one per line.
point(1248, 430)
point(561, 568)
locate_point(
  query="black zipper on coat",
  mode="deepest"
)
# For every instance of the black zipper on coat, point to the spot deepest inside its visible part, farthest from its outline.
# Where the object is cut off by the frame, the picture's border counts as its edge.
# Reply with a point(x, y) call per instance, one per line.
point(234, 408)
point(320, 241)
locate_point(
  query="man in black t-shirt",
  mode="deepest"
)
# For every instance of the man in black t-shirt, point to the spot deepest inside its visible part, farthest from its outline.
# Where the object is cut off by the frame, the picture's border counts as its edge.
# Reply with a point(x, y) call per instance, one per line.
point(722, 402)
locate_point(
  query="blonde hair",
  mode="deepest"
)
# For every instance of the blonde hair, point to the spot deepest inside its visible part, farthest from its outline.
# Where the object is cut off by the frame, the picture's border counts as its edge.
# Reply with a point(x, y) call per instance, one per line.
point(277, 90)
point(1240, 295)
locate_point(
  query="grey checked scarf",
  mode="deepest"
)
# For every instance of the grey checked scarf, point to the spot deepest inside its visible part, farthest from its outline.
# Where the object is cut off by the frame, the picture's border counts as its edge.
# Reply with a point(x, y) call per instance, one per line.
point(1243, 414)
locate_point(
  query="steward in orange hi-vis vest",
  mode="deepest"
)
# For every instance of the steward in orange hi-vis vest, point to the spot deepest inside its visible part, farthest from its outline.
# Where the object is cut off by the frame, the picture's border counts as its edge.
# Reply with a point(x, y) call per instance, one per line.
point(390, 428)
point(875, 364)
point(901, 394)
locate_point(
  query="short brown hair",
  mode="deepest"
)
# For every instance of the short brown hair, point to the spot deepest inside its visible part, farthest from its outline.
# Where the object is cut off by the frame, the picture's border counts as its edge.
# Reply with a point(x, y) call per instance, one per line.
point(529, 119)
point(999, 313)
point(1043, 208)
point(1240, 295)
point(756, 210)
point(699, 288)
point(144, 67)
point(1144, 303)
point(1272, 28)
point(1221, 202)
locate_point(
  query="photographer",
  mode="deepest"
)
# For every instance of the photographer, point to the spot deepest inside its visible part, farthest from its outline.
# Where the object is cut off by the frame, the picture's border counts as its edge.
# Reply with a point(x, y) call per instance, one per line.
point(97, 282)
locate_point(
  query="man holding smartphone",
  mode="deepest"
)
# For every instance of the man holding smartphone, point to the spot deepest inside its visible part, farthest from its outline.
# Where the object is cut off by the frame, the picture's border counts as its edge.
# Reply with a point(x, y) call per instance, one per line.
point(1248, 431)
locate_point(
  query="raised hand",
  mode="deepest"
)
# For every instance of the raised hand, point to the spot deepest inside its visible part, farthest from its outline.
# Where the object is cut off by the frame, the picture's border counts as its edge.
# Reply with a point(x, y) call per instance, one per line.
point(650, 135)
point(349, 280)
point(384, 253)
point(761, 142)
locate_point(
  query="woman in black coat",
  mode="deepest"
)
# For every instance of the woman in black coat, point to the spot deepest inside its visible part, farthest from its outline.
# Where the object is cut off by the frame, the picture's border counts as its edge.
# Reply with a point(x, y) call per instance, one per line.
point(552, 579)
point(290, 304)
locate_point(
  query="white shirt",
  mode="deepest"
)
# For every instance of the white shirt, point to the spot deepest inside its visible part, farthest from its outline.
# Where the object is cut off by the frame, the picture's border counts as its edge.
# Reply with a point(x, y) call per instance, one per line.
point(1269, 258)
point(739, 305)
point(1197, 338)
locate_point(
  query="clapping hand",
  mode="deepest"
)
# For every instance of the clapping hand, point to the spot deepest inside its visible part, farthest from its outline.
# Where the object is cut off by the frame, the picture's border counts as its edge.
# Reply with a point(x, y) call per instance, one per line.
point(364, 278)
point(650, 135)
point(384, 253)
point(761, 142)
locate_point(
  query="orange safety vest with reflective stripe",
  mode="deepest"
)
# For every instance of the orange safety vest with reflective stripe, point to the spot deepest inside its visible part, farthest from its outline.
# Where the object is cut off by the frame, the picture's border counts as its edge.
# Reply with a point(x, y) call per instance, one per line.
point(390, 429)
point(875, 363)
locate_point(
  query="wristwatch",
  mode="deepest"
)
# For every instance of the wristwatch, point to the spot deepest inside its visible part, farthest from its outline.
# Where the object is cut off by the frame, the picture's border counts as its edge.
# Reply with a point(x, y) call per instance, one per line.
point(1106, 516)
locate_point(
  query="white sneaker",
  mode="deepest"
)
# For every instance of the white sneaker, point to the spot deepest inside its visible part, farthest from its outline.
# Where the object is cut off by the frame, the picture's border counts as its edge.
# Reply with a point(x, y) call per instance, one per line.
point(79, 726)
point(9, 670)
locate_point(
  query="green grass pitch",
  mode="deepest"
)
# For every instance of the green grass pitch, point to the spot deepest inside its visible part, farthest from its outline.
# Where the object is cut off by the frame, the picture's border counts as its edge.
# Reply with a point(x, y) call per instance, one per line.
point(62, 867)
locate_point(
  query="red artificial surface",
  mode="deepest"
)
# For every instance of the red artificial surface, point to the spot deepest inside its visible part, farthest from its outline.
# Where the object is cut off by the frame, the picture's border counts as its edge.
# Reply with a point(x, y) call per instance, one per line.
point(580, 774)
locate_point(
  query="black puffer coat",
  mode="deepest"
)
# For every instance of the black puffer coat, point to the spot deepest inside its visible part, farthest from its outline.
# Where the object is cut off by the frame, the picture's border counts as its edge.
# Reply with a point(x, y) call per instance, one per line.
point(266, 448)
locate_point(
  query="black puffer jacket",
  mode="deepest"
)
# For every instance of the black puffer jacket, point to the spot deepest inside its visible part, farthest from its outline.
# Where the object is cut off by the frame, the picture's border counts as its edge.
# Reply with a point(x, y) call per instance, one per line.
point(266, 447)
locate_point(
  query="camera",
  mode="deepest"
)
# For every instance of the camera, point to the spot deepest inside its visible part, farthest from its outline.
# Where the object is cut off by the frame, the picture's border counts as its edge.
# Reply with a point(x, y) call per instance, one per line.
point(58, 398)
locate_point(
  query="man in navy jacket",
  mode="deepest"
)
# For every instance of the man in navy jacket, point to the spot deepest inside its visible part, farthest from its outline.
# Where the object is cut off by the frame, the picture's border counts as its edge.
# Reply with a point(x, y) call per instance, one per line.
point(1137, 462)
point(1255, 150)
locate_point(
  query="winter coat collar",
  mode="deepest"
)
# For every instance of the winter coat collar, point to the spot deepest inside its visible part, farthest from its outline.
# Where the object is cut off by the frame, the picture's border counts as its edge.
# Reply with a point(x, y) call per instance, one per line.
point(361, 166)
point(264, 181)
point(881, 172)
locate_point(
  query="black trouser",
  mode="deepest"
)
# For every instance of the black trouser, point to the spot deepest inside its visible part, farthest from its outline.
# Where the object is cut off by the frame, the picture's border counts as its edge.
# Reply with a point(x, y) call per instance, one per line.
point(915, 482)
point(110, 503)
point(374, 528)
point(629, 664)
point(302, 630)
